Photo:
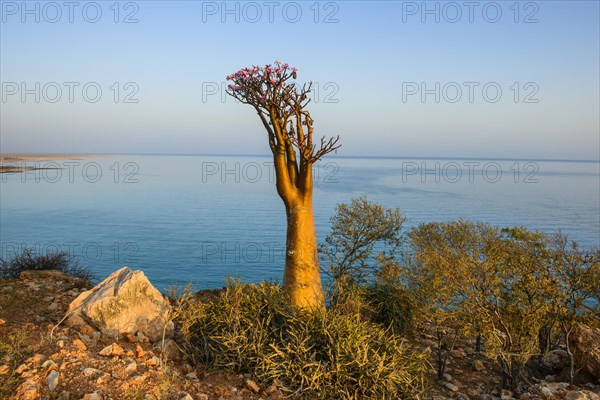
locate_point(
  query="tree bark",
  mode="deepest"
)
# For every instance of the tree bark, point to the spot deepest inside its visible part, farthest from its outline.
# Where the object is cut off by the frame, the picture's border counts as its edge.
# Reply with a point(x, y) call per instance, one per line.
point(302, 277)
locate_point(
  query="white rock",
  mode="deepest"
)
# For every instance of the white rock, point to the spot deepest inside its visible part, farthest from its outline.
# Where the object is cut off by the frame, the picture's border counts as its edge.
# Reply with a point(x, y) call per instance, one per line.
point(107, 351)
point(53, 380)
point(92, 396)
point(125, 302)
point(91, 371)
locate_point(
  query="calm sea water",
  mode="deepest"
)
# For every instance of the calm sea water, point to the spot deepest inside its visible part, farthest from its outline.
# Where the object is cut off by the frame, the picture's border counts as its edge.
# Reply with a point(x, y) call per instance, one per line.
point(202, 218)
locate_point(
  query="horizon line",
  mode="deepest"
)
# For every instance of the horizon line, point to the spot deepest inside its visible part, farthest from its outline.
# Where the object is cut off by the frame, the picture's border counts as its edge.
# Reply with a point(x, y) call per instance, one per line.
point(354, 156)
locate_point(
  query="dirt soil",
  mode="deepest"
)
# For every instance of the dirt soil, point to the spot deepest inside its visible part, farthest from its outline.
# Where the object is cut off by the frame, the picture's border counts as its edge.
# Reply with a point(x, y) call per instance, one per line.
point(42, 359)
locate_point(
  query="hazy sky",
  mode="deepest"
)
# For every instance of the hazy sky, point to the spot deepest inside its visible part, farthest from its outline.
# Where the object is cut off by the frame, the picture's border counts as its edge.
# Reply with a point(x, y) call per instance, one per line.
point(395, 78)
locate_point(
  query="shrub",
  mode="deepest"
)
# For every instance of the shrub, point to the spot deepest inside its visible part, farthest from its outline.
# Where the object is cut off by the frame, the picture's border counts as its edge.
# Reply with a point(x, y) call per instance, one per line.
point(493, 281)
point(392, 306)
point(28, 260)
point(327, 354)
point(364, 237)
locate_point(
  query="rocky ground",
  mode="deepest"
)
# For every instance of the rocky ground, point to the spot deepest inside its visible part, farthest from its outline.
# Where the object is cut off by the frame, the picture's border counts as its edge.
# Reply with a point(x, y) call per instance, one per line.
point(41, 360)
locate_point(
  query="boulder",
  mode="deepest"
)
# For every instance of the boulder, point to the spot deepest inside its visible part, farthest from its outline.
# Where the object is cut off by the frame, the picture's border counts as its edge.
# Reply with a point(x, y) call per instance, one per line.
point(585, 346)
point(555, 362)
point(125, 302)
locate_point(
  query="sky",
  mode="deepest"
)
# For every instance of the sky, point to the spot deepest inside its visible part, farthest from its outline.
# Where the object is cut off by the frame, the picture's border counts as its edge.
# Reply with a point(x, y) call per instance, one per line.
point(501, 79)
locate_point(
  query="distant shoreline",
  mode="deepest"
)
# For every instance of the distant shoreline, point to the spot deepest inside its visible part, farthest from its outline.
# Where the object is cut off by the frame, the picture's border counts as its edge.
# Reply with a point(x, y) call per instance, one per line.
point(15, 158)
point(33, 157)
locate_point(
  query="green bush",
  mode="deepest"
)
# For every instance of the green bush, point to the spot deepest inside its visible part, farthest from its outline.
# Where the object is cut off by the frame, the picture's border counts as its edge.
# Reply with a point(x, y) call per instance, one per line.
point(330, 354)
point(391, 305)
point(28, 260)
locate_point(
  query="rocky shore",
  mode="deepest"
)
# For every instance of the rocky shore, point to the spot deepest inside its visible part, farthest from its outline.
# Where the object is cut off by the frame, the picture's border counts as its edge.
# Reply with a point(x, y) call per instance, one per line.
point(61, 340)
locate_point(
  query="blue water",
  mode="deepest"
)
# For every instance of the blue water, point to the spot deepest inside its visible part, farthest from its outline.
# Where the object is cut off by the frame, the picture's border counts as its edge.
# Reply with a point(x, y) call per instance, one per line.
point(202, 218)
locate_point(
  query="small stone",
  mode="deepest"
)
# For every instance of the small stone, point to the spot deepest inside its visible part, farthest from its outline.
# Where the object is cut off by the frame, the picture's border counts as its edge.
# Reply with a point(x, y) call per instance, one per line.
point(60, 343)
point(187, 397)
point(131, 367)
point(117, 350)
point(250, 384)
point(2, 322)
point(447, 377)
point(53, 307)
point(154, 361)
point(456, 353)
point(29, 390)
point(103, 379)
point(53, 380)
point(21, 368)
point(107, 351)
point(582, 395)
point(38, 359)
point(92, 396)
point(112, 350)
point(192, 375)
point(91, 371)
point(547, 392)
point(48, 364)
point(478, 365)
point(271, 389)
point(138, 379)
point(79, 345)
point(140, 351)
point(141, 337)
point(4, 369)
point(450, 386)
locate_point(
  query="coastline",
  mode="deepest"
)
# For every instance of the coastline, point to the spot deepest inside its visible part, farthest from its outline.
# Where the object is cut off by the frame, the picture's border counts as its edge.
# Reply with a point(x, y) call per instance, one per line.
point(12, 159)
point(36, 157)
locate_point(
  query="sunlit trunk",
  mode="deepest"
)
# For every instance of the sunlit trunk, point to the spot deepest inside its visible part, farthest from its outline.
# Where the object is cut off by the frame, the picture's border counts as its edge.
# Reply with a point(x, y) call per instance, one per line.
point(302, 278)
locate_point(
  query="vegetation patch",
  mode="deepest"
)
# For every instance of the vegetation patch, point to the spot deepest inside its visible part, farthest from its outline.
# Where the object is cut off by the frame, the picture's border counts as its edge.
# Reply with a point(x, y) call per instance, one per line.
point(329, 354)
point(28, 260)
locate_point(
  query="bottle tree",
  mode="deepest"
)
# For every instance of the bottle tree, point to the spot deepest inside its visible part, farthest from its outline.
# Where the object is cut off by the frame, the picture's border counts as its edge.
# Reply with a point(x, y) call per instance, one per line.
point(281, 106)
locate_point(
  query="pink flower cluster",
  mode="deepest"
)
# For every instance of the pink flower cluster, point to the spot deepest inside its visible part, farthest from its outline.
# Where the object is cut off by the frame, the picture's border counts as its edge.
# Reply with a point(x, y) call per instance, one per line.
point(255, 76)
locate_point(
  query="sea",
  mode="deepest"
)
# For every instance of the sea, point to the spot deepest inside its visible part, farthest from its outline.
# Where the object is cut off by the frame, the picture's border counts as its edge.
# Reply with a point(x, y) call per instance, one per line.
point(203, 218)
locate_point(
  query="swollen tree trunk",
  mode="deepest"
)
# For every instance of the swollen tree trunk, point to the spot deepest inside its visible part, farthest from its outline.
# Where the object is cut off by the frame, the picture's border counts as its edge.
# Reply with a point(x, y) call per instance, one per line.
point(302, 278)
point(281, 107)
